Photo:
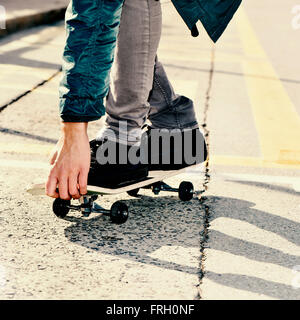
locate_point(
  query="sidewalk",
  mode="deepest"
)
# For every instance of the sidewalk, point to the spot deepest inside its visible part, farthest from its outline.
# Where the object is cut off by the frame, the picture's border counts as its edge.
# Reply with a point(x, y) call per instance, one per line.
point(21, 15)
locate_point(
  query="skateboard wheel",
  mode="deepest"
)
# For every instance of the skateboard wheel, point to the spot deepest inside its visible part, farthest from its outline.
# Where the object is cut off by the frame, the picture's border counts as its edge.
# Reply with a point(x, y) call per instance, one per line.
point(134, 192)
point(186, 191)
point(119, 212)
point(156, 188)
point(60, 207)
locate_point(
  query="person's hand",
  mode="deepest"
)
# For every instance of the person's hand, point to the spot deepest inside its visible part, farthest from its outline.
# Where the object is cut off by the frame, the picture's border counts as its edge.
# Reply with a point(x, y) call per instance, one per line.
point(70, 163)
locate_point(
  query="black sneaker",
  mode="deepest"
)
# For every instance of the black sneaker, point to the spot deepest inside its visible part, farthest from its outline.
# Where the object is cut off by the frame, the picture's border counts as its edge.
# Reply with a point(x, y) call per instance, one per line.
point(174, 149)
point(113, 174)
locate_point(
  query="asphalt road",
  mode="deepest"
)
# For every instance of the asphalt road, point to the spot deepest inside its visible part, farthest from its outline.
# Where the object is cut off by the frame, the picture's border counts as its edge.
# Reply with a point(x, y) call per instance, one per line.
point(240, 241)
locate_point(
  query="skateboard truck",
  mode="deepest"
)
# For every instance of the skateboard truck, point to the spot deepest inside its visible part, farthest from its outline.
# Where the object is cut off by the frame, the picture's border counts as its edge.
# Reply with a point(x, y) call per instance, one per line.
point(185, 190)
point(118, 212)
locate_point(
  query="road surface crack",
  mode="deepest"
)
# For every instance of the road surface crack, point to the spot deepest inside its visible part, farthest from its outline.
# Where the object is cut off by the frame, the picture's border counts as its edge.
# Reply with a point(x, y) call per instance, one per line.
point(204, 235)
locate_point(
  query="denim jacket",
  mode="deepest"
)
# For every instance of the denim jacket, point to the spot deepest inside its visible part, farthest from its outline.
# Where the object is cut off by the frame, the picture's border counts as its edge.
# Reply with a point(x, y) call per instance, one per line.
point(92, 29)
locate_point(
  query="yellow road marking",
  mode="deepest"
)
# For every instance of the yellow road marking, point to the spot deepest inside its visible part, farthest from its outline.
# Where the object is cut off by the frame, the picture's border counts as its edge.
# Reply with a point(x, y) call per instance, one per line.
point(45, 150)
point(277, 121)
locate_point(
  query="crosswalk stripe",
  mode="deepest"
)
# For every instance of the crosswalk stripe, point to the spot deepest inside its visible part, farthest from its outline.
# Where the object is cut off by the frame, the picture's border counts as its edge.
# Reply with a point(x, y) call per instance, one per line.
point(26, 148)
point(9, 163)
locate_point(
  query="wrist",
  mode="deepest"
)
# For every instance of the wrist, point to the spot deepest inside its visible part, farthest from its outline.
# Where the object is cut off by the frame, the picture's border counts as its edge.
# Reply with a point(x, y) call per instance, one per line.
point(74, 131)
point(74, 127)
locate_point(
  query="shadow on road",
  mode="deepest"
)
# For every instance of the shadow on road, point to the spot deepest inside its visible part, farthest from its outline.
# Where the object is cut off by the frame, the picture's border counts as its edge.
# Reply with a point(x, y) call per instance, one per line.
point(267, 186)
point(153, 223)
point(15, 56)
point(231, 73)
point(165, 221)
point(27, 135)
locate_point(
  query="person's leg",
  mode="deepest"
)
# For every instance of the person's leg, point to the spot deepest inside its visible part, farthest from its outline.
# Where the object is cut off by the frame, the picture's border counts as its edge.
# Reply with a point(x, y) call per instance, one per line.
point(169, 110)
point(132, 72)
point(174, 138)
point(127, 102)
point(136, 84)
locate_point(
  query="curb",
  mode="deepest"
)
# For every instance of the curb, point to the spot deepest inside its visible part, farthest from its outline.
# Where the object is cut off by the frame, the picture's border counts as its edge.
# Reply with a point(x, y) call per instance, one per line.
point(37, 19)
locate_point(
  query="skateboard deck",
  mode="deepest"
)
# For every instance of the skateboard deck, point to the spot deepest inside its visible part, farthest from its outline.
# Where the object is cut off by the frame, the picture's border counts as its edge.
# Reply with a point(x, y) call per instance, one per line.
point(119, 211)
point(153, 177)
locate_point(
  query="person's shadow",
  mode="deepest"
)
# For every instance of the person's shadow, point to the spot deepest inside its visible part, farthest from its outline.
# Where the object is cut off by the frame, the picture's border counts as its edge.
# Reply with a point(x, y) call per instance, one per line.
point(165, 221)
point(16, 56)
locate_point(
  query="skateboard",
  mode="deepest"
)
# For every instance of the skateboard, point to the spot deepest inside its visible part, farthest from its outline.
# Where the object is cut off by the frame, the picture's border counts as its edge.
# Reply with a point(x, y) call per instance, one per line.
point(118, 212)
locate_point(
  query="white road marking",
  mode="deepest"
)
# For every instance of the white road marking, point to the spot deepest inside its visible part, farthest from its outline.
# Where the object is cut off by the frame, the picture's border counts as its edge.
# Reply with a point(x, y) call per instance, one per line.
point(2, 276)
point(23, 164)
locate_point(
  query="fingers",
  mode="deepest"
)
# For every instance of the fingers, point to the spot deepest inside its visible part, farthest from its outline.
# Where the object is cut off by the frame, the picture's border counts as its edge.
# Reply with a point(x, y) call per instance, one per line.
point(51, 186)
point(82, 179)
point(53, 157)
point(68, 161)
point(63, 188)
point(73, 186)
